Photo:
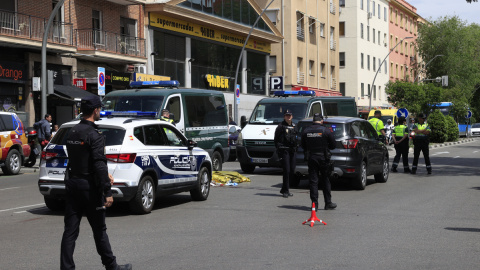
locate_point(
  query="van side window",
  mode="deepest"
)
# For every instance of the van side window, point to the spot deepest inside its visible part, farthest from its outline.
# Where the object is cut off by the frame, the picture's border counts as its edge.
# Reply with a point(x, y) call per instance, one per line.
point(331, 108)
point(173, 106)
point(316, 108)
point(204, 111)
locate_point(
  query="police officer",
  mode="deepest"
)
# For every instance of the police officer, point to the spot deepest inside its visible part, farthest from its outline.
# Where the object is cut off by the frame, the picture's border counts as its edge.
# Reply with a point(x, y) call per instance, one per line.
point(400, 137)
point(166, 117)
point(87, 184)
point(286, 143)
point(420, 143)
point(378, 124)
point(319, 141)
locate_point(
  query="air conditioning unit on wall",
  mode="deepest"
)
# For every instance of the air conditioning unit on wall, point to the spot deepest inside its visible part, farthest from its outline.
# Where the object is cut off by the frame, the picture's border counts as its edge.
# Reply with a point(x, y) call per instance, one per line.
point(140, 68)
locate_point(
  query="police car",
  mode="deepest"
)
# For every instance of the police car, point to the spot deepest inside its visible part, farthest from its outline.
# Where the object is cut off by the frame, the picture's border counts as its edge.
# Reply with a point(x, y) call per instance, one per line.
point(146, 157)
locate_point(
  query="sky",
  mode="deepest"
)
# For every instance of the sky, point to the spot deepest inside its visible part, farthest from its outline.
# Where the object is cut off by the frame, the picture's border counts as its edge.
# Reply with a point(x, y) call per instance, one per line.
point(439, 8)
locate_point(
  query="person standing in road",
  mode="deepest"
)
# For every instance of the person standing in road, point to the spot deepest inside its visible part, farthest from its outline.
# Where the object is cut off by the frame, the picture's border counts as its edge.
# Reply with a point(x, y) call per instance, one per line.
point(87, 184)
point(166, 117)
point(400, 137)
point(388, 131)
point(378, 124)
point(44, 130)
point(286, 144)
point(317, 141)
point(420, 143)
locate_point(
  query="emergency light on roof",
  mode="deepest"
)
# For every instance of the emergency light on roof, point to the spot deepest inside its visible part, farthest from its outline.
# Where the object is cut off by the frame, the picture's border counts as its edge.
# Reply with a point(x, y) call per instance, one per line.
point(128, 114)
point(146, 84)
point(293, 93)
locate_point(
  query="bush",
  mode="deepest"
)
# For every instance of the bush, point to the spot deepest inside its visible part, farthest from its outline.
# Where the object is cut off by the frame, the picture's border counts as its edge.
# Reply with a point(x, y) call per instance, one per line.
point(452, 129)
point(438, 127)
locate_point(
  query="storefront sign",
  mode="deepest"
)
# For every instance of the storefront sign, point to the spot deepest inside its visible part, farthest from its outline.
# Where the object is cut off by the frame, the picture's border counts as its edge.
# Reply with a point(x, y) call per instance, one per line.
point(197, 30)
point(215, 81)
point(147, 77)
point(80, 83)
point(12, 71)
point(118, 78)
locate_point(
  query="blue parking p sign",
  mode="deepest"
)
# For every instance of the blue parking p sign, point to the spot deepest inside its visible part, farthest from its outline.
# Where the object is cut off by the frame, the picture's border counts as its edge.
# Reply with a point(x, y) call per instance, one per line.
point(402, 112)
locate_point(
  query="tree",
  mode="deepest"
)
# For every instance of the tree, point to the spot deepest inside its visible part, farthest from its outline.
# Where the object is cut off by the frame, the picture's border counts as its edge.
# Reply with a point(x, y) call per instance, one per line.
point(452, 129)
point(438, 127)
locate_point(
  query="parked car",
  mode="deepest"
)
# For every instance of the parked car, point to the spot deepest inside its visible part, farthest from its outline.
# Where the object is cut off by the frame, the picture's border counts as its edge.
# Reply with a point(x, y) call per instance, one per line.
point(147, 158)
point(358, 153)
point(475, 130)
point(15, 149)
point(233, 132)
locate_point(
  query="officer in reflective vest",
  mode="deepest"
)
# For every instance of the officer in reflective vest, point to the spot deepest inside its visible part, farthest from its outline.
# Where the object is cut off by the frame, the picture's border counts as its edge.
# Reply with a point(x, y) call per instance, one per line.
point(378, 124)
point(400, 137)
point(420, 143)
point(166, 117)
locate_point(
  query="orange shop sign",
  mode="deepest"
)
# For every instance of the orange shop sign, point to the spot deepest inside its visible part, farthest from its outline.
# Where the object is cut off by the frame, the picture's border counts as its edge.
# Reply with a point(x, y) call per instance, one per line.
point(12, 71)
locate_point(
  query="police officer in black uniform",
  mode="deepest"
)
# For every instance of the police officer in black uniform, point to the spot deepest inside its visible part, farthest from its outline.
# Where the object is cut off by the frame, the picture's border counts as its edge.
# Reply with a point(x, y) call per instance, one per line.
point(87, 184)
point(286, 143)
point(317, 141)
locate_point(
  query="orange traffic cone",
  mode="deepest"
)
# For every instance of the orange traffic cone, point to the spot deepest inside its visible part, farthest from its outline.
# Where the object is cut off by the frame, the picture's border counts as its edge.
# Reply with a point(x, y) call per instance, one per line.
point(313, 217)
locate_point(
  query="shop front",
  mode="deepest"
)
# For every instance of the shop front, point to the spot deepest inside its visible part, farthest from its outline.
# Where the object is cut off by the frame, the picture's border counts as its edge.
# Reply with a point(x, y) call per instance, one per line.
point(13, 79)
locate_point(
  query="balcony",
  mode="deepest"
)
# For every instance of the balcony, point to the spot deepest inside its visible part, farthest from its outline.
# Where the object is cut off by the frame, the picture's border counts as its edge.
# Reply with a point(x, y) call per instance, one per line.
point(332, 8)
point(27, 27)
point(300, 77)
point(333, 45)
point(103, 41)
point(300, 33)
point(333, 84)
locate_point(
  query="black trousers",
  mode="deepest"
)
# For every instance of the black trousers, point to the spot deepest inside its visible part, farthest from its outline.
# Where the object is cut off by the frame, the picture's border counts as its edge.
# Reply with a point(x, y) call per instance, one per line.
point(316, 165)
point(81, 202)
point(289, 162)
point(401, 150)
point(421, 145)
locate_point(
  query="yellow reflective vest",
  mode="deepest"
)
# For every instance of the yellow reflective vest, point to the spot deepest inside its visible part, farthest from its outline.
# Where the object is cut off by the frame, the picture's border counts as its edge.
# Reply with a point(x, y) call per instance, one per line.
point(377, 124)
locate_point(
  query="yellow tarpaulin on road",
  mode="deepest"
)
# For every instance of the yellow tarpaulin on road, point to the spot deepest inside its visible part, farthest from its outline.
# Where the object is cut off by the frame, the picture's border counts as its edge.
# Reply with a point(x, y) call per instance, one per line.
point(225, 177)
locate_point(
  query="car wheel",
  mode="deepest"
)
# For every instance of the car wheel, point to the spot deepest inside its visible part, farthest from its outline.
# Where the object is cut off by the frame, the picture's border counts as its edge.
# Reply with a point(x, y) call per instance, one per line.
point(12, 162)
point(144, 200)
point(200, 193)
point(54, 204)
point(383, 176)
point(247, 168)
point(32, 159)
point(217, 161)
point(361, 179)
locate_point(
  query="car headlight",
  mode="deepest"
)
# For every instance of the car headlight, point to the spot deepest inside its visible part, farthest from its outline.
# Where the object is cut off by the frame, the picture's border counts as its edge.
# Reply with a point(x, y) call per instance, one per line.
point(240, 139)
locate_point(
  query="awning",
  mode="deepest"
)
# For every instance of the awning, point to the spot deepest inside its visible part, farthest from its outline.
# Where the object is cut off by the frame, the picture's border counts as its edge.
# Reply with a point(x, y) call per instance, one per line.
point(71, 92)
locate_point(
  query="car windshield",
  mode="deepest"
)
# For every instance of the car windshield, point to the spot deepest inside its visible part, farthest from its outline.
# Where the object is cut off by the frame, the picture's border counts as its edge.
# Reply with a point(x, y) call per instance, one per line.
point(133, 103)
point(273, 113)
point(338, 129)
point(383, 118)
point(476, 125)
point(113, 136)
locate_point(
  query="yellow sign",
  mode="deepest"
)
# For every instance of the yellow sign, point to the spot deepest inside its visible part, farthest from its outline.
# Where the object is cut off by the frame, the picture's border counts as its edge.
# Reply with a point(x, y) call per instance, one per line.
point(217, 81)
point(197, 30)
point(146, 77)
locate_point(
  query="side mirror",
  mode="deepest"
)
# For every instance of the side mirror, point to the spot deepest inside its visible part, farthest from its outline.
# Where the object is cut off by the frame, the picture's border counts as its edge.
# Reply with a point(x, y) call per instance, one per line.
point(243, 121)
point(191, 144)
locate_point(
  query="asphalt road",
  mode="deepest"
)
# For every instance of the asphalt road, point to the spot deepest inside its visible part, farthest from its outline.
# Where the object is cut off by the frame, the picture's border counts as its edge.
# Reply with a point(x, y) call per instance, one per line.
point(410, 222)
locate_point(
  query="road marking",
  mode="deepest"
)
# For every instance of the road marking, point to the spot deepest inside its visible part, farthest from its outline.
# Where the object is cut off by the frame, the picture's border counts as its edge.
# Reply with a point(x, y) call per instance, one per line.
point(456, 157)
point(20, 212)
point(15, 208)
point(439, 153)
point(475, 151)
point(8, 188)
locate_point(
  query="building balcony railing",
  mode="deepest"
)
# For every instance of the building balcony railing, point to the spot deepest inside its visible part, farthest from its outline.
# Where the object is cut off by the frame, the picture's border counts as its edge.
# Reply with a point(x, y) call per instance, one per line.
point(333, 45)
point(32, 28)
point(98, 40)
point(300, 33)
point(332, 8)
point(333, 83)
point(300, 77)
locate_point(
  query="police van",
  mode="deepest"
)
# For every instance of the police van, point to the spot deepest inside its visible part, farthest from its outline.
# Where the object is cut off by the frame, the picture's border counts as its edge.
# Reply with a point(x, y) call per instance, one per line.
point(147, 158)
point(201, 115)
point(255, 145)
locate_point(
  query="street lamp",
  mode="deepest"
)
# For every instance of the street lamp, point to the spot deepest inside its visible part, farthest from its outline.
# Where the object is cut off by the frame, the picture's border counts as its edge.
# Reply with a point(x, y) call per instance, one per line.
point(425, 67)
point(371, 86)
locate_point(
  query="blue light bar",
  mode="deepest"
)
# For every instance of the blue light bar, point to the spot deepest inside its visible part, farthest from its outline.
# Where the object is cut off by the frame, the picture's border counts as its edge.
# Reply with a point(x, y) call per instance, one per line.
point(293, 93)
point(141, 84)
point(128, 114)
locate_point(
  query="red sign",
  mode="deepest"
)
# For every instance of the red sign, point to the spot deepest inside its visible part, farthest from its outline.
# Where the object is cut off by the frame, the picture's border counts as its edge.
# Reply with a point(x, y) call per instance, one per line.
point(80, 83)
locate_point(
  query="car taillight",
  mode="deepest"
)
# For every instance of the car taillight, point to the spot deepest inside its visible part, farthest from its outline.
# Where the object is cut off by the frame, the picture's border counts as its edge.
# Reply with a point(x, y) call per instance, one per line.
point(121, 158)
point(48, 155)
point(350, 144)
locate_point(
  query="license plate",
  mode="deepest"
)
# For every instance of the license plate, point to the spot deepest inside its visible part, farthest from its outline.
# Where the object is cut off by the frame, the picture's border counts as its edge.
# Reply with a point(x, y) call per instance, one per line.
point(260, 160)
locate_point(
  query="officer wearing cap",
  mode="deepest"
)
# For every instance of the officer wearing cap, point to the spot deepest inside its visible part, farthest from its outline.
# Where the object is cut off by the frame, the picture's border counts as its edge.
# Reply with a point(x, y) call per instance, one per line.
point(420, 143)
point(166, 116)
point(400, 137)
point(377, 123)
point(87, 184)
point(286, 144)
point(317, 141)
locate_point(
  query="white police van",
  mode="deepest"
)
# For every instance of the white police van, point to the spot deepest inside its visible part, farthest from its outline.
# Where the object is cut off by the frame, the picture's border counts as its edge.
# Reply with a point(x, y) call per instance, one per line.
point(147, 158)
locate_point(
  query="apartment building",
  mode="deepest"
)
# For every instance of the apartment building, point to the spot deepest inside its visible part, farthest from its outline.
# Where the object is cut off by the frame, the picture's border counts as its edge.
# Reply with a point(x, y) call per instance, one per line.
point(309, 56)
point(363, 48)
point(85, 34)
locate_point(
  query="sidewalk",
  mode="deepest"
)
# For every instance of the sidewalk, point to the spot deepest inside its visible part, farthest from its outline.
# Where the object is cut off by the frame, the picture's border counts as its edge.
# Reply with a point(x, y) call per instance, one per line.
point(438, 145)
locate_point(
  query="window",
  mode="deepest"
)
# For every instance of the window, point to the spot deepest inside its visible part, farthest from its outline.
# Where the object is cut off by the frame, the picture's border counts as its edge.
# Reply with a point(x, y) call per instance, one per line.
point(368, 62)
point(368, 6)
point(391, 69)
point(396, 16)
point(369, 131)
point(374, 92)
point(361, 30)
point(378, 37)
point(138, 133)
point(361, 60)
point(332, 38)
point(342, 88)
point(97, 27)
point(396, 42)
point(341, 3)
point(379, 64)
point(396, 71)
point(174, 106)
point(379, 12)
point(368, 90)
point(385, 14)
point(379, 93)
point(385, 67)
point(406, 24)
point(322, 29)
point(373, 8)
point(361, 4)
point(312, 26)
point(401, 20)
point(342, 29)
point(373, 35)
point(368, 33)
point(205, 111)
point(6, 122)
point(362, 90)
point(391, 15)
point(356, 130)
point(331, 108)
point(154, 135)
point(272, 64)
point(341, 56)
point(311, 68)
point(173, 138)
point(391, 41)
point(300, 26)
point(316, 108)
point(322, 70)
point(374, 64)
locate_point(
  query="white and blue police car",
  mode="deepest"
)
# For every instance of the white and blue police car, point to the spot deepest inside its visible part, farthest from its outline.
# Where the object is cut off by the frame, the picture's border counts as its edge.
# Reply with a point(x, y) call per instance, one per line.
point(147, 158)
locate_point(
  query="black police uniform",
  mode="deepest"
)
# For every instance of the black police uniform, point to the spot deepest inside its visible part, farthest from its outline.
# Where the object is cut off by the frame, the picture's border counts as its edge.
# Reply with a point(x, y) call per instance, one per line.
point(420, 144)
point(87, 184)
point(286, 143)
point(317, 140)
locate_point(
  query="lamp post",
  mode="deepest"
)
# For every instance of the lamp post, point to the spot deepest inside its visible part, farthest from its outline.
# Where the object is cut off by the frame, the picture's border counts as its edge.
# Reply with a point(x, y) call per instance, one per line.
point(425, 67)
point(379, 67)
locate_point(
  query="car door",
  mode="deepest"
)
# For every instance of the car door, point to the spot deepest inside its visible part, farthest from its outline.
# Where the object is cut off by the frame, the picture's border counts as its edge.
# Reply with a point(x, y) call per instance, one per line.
point(375, 149)
point(359, 133)
point(174, 106)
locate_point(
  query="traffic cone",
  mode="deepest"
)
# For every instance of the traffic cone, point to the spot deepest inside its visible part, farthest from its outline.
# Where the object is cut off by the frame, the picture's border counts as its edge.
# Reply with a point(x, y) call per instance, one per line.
point(313, 217)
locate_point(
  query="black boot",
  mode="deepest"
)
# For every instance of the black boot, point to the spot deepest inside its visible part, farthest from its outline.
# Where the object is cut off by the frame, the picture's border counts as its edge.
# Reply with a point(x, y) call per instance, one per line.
point(394, 169)
point(414, 171)
point(407, 170)
point(330, 206)
point(127, 266)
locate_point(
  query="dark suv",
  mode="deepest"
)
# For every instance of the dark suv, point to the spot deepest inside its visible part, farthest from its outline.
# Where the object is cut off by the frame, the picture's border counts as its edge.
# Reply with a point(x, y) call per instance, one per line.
point(358, 153)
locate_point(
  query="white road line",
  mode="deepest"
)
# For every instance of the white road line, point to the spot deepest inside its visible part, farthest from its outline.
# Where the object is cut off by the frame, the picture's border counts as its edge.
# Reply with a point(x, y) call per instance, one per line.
point(8, 188)
point(475, 151)
point(456, 157)
point(15, 208)
point(20, 212)
point(439, 153)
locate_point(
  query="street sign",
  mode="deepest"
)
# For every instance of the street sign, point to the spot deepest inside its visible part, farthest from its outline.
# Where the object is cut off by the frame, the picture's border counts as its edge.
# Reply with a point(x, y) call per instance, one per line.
point(469, 114)
point(257, 83)
point(101, 81)
point(276, 83)
point(402, 112)
point(445, 80)
point(237, 93)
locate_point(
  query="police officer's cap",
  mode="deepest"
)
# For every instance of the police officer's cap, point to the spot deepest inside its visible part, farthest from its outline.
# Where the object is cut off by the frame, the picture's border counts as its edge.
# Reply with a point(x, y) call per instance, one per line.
point(378, 112)
point(91, 102)
point(287, 111)
point(165, 111)
point(317, 117)
point(421, 116)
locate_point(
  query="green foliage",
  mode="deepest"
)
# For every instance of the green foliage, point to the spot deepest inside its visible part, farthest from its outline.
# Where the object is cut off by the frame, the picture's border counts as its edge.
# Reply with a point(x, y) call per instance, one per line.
point(452, 129)
point(406, 95)
point(437, 124)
